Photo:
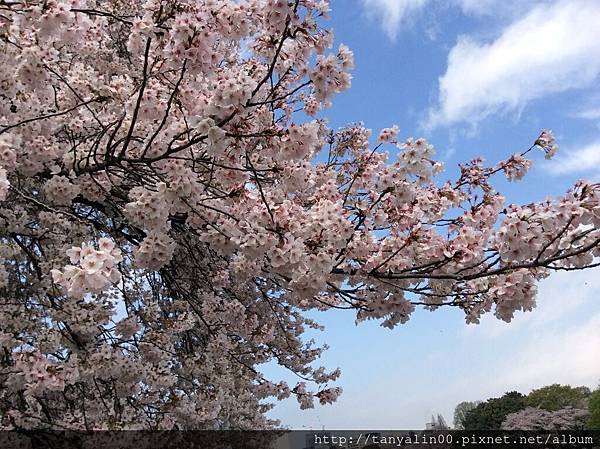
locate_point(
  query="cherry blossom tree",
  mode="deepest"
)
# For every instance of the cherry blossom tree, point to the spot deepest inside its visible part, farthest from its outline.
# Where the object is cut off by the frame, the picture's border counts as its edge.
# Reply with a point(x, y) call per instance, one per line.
point(533, 418)
point(165, 224)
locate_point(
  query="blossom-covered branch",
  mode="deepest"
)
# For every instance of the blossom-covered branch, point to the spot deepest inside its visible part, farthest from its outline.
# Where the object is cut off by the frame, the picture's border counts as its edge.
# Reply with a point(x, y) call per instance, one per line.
point(165, 222)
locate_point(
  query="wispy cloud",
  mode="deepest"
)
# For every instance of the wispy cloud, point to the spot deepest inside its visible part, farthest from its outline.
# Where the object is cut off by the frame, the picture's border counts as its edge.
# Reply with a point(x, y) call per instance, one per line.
point(492, 7)
point(569, 356)
point(559, 340)
point(582, 160)
point(549, 50)
point(552, 305)
point(588, 114)
point(566, 355)
point(393, 13)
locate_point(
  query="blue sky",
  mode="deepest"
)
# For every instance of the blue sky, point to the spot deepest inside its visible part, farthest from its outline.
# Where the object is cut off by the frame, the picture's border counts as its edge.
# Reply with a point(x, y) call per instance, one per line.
point(476, 78)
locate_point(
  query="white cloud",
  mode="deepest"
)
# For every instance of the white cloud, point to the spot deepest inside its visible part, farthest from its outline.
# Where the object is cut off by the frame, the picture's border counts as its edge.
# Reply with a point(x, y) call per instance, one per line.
point(568, 357)
point(549, 50)
point(556, 353)
point(493, 7)
point(552, 304)
point(478, 6)
point(582, 160)
point(393, 13)
point(588, 114)
point(556, 343)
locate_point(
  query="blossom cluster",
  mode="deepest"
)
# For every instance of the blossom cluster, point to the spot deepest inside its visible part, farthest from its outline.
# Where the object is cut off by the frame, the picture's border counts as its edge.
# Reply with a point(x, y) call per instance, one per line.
point(155, 251)
point(92, 269)
point(36, 374)
point(547, 143)
point(388, 135)
point(60, 190)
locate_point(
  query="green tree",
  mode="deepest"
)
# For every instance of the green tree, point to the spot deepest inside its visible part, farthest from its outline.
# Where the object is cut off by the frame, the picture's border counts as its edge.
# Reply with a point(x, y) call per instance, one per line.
point(555, 397)
point(594, 408)
point(490, 414)
point(460, 413)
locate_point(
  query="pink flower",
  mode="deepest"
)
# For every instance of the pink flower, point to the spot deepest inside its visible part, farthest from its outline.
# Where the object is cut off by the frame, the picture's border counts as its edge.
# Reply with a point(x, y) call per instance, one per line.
point(388, 135)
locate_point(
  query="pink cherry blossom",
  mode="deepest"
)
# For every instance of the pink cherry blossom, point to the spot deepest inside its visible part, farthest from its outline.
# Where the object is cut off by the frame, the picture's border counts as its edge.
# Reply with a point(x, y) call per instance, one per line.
point(173, 208)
